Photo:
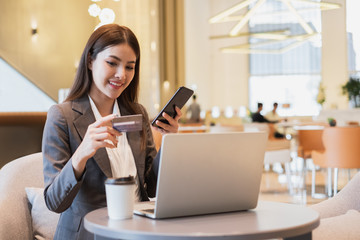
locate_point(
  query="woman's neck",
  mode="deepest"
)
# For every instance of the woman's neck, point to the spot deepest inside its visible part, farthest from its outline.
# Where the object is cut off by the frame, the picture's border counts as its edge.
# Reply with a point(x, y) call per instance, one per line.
point(105, 105)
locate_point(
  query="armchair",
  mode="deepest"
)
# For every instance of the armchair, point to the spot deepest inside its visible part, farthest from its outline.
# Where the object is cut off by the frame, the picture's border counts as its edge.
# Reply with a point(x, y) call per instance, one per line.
point(17, 213)
point(339, 215)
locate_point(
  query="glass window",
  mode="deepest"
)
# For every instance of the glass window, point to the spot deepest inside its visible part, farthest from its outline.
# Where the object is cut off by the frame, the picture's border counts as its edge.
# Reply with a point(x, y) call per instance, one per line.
point(353, 30)
point(299, 91)
point(285, 69)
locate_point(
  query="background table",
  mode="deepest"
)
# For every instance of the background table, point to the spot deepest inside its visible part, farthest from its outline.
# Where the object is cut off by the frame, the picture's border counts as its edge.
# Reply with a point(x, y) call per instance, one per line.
point(268, 220)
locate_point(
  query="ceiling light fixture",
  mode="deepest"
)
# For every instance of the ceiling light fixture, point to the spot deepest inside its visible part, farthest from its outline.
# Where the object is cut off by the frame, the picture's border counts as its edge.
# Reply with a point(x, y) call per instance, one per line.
point(246, 18)
point(245, 48)
point(106, 15)
point(272, 36)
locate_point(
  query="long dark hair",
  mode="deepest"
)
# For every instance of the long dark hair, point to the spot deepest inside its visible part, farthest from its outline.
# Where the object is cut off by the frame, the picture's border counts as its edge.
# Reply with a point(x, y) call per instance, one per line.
point(102, 38)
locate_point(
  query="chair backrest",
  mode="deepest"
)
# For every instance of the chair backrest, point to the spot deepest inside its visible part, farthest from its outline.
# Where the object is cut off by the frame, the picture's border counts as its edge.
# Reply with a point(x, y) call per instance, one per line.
point(15, 176)
point(221, 128)
point(259, 127)
point(256, 127)
point(309, 140)
point(342, 147)
point(277, 156)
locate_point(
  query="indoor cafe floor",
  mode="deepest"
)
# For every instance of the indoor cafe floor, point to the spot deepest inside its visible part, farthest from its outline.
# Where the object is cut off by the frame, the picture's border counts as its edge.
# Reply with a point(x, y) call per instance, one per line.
point(274, 186)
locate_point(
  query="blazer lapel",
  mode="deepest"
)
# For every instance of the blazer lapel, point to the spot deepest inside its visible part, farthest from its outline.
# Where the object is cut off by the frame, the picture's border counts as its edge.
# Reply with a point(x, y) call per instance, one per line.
point(81, 123)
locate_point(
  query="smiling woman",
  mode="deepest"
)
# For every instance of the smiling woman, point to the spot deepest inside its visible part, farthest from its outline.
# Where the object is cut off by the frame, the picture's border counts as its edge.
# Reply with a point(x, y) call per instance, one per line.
point(80, 147)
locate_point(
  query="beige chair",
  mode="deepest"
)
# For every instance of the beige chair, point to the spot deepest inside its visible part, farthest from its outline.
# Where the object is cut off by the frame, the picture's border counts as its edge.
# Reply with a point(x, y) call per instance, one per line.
point(339, 215)
point(257, 127)
point(342, 150)
point(280, 156)
point(277, 150)
point(22, 218)
point(221, 128)
point(270, 128)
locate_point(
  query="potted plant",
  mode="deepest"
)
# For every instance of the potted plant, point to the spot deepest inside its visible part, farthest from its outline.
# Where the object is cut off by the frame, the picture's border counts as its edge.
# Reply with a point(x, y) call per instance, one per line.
point(352, 89)
point(332, 122)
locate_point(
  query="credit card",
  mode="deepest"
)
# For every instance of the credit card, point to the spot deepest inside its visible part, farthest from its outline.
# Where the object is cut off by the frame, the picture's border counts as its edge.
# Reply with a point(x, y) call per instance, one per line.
point(129, 123)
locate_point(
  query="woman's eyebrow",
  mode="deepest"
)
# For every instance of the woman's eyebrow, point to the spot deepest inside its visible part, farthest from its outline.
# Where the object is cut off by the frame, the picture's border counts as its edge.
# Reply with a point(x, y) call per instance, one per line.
point(113, 56)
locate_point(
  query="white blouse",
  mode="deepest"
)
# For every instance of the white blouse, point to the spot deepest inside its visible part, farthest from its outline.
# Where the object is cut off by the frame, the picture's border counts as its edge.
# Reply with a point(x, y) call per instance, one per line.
point(121, 158)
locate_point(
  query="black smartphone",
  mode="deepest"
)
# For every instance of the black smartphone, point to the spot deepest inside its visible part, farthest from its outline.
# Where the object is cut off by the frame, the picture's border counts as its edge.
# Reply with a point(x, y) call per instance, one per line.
point(179, 99)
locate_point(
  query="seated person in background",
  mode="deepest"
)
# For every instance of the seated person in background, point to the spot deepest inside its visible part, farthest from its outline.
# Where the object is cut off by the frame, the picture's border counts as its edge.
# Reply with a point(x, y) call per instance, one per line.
point(272, 115)
point(258, 117)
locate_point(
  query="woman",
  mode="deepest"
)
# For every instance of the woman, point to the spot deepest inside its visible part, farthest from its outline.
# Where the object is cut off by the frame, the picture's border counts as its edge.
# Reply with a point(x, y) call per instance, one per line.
point(81, 149)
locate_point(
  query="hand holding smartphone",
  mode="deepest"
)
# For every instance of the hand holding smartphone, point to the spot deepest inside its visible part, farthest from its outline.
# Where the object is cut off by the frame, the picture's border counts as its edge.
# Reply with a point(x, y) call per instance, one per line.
point(179, 99)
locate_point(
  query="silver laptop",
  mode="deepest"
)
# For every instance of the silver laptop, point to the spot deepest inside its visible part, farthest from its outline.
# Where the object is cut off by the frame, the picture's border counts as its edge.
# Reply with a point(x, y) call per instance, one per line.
point(203, 173)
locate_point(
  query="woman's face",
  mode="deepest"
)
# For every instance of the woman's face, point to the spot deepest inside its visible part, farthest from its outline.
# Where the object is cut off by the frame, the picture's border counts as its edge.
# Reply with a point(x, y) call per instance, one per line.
point(112, 71)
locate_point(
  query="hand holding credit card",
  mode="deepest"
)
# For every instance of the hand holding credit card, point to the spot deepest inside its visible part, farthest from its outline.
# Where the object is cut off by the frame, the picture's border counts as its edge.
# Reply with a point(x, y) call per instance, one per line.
point(129, 123)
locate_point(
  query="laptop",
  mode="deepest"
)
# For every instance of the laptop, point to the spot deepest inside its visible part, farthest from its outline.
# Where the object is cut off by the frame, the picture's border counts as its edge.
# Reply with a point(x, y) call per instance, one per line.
point(205, 173)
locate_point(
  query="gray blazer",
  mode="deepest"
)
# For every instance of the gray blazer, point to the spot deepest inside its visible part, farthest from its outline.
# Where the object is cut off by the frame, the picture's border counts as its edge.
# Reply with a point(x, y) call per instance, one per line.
point(64, 130)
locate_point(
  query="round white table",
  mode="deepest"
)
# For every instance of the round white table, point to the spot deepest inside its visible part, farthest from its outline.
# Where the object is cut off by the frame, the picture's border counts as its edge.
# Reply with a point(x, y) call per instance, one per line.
point(268, 220)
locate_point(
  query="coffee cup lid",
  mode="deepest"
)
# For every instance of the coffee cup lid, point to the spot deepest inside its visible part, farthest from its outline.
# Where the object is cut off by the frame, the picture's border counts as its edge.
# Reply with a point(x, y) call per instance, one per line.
point(121, 181)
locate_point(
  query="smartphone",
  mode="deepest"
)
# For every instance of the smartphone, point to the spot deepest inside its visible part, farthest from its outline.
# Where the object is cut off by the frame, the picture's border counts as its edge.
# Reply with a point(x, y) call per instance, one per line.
point(179, 99)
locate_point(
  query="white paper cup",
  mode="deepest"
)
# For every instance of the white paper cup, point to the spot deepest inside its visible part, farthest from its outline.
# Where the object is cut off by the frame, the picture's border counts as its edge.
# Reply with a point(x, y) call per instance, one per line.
point(120, 196)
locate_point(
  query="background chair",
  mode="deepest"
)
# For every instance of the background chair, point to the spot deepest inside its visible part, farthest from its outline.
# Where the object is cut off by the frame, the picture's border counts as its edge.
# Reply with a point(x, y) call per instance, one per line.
point(277, 150)
point(280, 156)
point(341, 150)
point(309, 138)
point(339, 215)
point(257, 127)
point(219, 128)
point(17, 213)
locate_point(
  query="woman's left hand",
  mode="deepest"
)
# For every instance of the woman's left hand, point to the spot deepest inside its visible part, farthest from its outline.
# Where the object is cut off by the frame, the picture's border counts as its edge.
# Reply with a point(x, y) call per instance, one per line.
point(173, 125)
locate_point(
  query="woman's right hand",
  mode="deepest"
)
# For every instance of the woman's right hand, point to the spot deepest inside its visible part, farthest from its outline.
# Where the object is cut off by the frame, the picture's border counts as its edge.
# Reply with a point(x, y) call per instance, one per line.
point(98, 135)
